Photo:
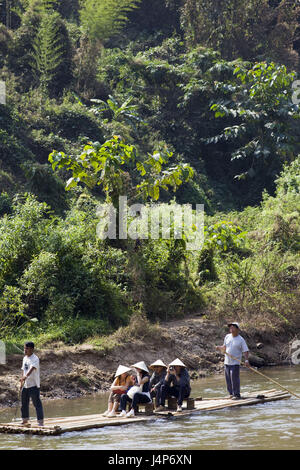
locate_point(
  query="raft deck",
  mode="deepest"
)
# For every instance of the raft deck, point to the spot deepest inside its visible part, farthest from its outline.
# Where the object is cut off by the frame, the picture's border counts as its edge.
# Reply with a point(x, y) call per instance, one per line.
point(56, 426)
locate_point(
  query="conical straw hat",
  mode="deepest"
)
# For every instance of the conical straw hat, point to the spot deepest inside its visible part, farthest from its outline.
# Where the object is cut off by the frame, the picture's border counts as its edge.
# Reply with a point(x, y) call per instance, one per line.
point(158, 363)
point(141, 365)
point(121, 370)
point(177, 362)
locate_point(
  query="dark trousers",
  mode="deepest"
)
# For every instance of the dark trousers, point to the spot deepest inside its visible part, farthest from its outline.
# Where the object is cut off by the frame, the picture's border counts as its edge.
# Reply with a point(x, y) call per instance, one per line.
point(137, 398)
point(179, 392)
point(232, 375)
point(34, 394)
point(157, 395)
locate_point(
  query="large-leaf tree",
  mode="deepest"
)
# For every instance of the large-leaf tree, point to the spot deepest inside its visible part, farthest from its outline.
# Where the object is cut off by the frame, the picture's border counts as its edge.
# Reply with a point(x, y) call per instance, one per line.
point(260, 119)
point(107, 165)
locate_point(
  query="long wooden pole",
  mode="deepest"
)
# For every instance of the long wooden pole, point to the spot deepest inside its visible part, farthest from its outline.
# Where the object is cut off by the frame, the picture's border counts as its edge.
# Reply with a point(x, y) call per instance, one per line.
point(263, 375)
point(19, 403)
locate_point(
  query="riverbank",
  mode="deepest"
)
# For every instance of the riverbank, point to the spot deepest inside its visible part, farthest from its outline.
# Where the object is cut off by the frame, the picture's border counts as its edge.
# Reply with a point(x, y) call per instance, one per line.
point(81, 370)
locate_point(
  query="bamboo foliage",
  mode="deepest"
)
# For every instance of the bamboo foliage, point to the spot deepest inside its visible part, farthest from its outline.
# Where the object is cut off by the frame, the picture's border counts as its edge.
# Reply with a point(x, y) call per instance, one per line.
point(101, 19)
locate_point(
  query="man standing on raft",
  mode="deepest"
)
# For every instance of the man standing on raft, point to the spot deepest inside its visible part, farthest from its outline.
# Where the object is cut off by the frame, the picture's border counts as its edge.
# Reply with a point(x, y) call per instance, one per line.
point(30, 385)
point(235, 345)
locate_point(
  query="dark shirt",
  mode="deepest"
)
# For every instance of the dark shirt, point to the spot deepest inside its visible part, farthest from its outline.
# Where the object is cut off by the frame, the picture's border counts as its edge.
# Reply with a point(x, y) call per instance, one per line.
point(157, 379)
point(184, 379)
point(145, 388)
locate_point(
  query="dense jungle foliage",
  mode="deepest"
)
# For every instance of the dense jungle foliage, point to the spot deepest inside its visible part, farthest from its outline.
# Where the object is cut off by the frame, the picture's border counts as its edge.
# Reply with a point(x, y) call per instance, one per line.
point(174, 101)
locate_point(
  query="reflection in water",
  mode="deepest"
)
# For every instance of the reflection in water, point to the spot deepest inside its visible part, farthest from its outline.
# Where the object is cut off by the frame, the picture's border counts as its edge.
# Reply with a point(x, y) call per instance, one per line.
point(274, 425)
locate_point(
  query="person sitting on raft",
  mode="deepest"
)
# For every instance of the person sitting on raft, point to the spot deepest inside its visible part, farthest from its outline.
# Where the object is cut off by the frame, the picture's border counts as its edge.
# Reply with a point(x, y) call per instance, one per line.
point(157, 380)
point(139, 393)
point(120, 386)
point(177, 384)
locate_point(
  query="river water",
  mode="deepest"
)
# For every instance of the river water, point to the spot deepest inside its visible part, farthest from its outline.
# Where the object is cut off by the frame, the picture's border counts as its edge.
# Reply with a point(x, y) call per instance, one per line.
point(274, 425)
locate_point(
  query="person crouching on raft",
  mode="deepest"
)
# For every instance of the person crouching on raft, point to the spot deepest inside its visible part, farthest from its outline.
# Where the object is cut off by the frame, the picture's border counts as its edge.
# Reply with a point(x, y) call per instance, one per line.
point(157, 380)
point(177, 384)
point(140, 396)
point(120, 386)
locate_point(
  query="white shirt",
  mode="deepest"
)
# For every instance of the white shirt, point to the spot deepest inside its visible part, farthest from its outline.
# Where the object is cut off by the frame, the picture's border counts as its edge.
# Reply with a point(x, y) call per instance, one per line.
point(236, 346)
point(34, 378)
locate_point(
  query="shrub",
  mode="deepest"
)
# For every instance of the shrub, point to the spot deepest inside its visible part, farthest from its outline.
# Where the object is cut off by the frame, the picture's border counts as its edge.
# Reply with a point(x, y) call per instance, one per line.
point(289, 179)
point(20, 238)
point(38, 281)
point(71, 121)
point(76, 331)
point(280, 215)
point(85, 70)
point(206, 265)
point(47, 186)
point(21, 49)
point(12, 309)
point(42, 143)
point(5, 204)
point(61, 307)
point(69, 331)
point(5, 40)
point(285, 231)
point(12, 149)
point(139, 327)
point(6, 181)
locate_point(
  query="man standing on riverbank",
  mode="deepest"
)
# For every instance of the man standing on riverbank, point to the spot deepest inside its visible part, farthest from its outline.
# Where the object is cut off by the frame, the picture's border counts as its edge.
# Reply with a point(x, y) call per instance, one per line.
point(235, 345)
point(30, 385)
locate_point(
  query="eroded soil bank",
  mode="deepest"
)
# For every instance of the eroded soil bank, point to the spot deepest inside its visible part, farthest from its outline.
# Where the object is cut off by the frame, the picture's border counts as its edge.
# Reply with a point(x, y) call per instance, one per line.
point(69, 372)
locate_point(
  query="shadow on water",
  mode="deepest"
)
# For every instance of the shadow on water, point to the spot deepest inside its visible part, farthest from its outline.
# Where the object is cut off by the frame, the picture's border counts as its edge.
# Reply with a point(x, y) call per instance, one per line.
point(274, 425)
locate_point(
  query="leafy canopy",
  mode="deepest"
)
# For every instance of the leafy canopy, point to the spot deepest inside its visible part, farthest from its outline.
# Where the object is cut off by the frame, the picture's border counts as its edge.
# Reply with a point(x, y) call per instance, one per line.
point(258, 103)
point(106, 165)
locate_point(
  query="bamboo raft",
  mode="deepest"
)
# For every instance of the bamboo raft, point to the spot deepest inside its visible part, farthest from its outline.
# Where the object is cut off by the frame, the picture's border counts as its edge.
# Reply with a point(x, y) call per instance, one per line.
point(57, 426)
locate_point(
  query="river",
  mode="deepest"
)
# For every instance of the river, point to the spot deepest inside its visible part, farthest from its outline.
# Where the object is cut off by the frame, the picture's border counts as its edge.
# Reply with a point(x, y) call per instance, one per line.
point(274, 425)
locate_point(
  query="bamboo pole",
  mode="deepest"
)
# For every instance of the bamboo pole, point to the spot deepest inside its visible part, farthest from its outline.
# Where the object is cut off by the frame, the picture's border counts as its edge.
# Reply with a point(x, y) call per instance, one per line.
point(19, 403)
point(263, 375)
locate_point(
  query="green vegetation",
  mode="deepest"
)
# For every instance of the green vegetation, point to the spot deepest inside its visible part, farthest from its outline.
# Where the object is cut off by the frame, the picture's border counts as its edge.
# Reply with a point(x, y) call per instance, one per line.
point(260, 283)
point(48, 53)
point(256, 29)
point(175, 101)
point(100, 20)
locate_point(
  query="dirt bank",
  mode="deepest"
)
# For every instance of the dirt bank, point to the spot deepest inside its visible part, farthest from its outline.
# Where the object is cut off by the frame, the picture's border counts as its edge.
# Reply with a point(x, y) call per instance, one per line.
point(69, 372)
